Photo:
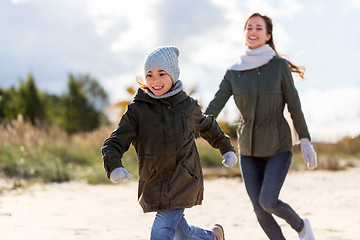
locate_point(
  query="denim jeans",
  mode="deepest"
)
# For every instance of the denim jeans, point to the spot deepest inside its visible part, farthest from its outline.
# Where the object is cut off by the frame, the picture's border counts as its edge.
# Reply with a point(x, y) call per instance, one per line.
point(263, 178)
point(171, 224)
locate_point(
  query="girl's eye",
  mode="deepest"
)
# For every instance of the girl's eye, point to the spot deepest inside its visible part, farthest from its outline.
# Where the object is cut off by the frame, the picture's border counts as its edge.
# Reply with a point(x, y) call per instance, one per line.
point(148, 76)
point(259, 29)
point(162, 74)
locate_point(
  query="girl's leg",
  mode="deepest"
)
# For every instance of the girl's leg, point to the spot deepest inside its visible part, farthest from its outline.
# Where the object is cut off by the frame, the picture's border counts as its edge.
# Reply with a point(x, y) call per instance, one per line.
point(184, 231)
point(276, 169)
point(171, 224)
point(165, 224)
point(253, 169)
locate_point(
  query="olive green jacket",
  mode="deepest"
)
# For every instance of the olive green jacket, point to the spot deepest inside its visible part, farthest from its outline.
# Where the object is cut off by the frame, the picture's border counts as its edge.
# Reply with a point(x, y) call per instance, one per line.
point(163, 134)
point(260, 95)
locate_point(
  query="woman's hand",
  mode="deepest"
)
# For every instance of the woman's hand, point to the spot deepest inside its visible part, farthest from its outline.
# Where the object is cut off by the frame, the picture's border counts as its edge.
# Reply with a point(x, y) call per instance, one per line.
point(309, 153)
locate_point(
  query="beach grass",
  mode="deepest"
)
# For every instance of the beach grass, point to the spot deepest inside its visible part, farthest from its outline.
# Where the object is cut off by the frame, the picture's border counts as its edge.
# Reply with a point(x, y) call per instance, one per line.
point(49, 154)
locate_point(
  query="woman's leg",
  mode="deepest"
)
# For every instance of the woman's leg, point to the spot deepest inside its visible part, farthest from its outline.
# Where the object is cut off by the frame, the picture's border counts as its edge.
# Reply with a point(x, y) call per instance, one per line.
point(276, 169)
point(253, 170)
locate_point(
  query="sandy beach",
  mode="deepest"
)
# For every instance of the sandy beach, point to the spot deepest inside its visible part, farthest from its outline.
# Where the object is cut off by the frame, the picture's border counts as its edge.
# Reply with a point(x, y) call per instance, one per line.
point(74, 211)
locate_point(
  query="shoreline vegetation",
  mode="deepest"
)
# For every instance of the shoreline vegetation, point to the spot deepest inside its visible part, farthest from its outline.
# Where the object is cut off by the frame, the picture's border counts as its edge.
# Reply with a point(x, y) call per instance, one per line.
point(30, 154)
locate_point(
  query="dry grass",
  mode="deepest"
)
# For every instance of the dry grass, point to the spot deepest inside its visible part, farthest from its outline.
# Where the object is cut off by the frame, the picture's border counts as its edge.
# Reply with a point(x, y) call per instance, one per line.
point(49, 154)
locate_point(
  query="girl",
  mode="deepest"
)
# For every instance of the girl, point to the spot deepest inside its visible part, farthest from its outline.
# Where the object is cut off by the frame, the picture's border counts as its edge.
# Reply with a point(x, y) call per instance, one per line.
point(161, 123)
point(261, 83)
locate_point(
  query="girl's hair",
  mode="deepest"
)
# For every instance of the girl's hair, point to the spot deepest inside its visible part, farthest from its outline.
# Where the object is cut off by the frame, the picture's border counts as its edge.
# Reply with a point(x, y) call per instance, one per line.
point(142, 84)
point(269, 27)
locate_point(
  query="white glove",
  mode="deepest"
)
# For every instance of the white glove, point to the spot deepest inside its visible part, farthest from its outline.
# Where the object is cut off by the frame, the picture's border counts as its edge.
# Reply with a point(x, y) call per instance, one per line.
point(308, 152)
point(230, 159)
point(119, 174)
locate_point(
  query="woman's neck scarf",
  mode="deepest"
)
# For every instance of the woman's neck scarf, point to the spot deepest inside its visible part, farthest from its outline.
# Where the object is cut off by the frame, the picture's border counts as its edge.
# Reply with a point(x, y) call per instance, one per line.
point(253, 58)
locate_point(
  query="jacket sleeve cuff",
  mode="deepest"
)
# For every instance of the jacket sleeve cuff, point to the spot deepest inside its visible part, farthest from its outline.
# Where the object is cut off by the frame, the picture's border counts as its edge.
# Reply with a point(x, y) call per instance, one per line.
point(226, 147)
point(111, 164)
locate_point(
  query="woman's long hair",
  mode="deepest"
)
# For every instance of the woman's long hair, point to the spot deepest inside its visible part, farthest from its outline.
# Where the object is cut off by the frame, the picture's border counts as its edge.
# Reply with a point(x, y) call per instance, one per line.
point(269, 28)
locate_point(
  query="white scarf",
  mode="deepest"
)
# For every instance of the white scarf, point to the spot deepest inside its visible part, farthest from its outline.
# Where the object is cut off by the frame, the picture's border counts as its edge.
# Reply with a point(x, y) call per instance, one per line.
point(253, 58)
point(177, 88)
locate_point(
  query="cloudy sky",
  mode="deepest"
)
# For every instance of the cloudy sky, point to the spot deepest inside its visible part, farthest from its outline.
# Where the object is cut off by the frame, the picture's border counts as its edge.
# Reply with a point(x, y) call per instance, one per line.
point(108, 38)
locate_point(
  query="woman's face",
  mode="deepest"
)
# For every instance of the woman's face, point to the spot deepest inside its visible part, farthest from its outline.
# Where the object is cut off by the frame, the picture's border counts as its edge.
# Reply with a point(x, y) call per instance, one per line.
point(256, 32)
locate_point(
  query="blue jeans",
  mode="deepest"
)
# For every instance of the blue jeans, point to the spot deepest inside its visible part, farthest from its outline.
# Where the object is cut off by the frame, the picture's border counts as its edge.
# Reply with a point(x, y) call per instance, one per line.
point(263, 178)
point(171, 224)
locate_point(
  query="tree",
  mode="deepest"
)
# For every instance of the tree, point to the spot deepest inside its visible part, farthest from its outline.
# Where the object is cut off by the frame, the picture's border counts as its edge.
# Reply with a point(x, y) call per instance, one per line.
point(80, 109)
point(54, 109)
point(9, 104)
point(80, 115)
point(31, 106)
point(95, 94)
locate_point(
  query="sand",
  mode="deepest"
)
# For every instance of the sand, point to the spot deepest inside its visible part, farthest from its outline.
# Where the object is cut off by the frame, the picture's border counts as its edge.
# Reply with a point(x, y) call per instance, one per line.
point(74, 211)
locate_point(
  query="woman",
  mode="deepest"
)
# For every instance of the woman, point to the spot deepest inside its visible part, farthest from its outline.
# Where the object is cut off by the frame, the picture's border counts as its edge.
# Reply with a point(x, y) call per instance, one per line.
point(261, 83)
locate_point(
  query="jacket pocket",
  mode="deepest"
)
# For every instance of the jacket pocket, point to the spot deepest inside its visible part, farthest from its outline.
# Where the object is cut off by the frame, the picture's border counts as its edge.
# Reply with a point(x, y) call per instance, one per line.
point(188, 126)
point(149, 189)
point(151, 175)
point(191, 168)
point(147, 169)
point(191, 172)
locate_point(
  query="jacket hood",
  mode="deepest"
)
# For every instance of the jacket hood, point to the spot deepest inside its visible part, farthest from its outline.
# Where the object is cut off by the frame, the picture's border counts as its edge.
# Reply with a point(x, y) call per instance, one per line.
point(173, 100)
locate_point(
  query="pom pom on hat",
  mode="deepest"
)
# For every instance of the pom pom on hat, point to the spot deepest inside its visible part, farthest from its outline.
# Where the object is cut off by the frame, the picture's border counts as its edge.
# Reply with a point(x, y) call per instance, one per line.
point(164, 58)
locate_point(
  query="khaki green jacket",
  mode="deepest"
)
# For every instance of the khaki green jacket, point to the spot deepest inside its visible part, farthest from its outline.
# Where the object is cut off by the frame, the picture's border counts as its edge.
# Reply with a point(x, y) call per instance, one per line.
point(260, 95)
point(163, 134)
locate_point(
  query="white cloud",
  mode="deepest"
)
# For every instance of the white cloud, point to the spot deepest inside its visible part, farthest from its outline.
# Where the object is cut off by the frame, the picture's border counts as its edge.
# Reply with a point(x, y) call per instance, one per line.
point(355, 3)
point(19, 1)
point(285, 8)
point(332, 114)
point(282, 39)
point(135, 21)
point(233, 12)
point(116, 86)
point(317, 10)
point(212, 51)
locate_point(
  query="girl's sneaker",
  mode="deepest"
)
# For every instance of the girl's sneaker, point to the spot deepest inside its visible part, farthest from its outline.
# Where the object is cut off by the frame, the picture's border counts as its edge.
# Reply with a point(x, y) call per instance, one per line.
point(306, 233)
point(219, 232)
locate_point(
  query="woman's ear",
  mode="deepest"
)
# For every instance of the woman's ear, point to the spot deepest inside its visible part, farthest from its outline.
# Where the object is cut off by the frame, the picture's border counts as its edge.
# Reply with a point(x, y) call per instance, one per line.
point(268, 37)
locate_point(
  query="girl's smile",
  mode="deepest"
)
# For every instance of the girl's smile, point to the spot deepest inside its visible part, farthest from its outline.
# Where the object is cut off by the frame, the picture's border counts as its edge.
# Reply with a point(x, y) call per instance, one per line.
point(158, 88)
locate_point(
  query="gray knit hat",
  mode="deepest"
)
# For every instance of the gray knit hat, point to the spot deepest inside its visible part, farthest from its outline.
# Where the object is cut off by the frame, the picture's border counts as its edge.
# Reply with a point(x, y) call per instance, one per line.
point(164, 58)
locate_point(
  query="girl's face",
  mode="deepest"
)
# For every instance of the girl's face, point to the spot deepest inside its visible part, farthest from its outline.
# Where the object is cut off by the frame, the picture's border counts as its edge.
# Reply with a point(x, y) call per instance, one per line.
point(256, 32)
point(158, 81)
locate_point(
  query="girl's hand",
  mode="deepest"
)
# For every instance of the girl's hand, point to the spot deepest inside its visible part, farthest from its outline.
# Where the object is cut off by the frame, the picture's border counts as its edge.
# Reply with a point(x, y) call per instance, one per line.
point(119, 174)
point(230, 159)
point(309, 153)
